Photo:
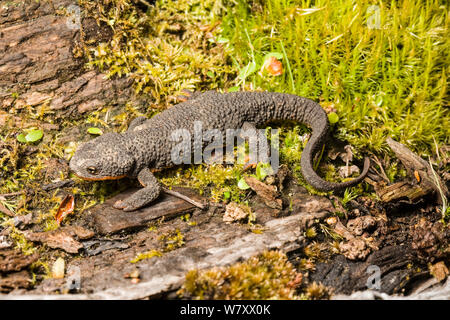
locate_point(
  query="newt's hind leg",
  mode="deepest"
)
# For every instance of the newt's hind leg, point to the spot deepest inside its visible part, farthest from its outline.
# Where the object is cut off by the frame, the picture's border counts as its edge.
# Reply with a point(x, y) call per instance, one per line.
point(140, 198)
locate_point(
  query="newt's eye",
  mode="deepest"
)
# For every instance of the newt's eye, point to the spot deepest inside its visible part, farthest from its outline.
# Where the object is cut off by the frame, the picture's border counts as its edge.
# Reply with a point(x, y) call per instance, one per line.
point(92, 170)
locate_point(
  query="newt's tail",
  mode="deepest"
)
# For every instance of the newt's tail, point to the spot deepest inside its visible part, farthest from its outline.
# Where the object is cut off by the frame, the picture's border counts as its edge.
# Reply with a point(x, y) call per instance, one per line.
point(292, 107)
point(317, 119)
point(317, 182)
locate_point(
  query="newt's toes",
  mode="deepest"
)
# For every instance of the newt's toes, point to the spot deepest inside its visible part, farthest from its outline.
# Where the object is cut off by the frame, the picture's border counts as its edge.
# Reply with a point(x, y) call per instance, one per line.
point(119, 204)
point(130, 208)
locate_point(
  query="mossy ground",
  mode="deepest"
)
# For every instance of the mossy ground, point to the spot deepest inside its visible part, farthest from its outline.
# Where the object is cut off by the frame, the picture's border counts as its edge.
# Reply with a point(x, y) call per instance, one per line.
point(385, 77)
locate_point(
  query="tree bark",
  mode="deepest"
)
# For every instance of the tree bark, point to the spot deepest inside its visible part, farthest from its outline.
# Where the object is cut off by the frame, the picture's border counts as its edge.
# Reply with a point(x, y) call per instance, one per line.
point(38, 66)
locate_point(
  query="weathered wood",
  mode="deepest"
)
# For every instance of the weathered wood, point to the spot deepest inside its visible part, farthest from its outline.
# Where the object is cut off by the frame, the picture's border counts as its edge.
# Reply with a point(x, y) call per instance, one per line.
point(63, 238)
point(402, 190)
point(15, 280)
point(267, 193)
point(107, 220)
point(436, 292)
point(38, 66)
point(208, 242)
point(348, 276)
point(425, 180)
point(15, 260)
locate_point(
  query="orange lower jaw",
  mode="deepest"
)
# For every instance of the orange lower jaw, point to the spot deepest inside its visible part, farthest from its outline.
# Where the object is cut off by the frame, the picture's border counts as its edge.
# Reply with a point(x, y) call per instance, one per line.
point(102, 178)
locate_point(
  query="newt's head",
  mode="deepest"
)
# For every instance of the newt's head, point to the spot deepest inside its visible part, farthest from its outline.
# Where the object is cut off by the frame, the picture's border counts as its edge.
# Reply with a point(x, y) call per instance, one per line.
point(103, 158)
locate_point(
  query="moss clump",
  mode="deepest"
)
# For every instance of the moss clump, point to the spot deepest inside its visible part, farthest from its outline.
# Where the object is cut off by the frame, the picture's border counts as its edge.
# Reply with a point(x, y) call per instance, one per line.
point(147, 255)
point(219, 180)
point(164, 49)
point(267, 276)
point(169, 241)
point(172, 240)
point(385, 80)
point(316, 291)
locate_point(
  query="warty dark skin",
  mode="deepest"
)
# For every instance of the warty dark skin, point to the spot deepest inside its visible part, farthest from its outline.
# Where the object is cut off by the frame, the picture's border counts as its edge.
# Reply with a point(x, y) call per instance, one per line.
point(147, 144)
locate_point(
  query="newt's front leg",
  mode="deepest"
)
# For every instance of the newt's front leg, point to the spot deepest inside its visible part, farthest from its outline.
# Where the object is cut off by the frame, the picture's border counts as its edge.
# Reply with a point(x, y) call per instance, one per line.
point(140, 198)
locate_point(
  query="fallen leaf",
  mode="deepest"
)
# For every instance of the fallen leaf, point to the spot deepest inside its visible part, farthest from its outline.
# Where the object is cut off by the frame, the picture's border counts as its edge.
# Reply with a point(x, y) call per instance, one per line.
point(242, 184)
point(21, 138)
point(34, 135)
point(95, 131)
point(65, 208)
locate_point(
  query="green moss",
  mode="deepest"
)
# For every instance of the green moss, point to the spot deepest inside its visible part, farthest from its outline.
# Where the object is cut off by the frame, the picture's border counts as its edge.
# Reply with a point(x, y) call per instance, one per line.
point(21, 242)
point(172, 240)
point(169, 241)
point(164, 50)
point(311, 233)
point(216, 179)
point(147, 255)
point(266, 276)
point(385, 81)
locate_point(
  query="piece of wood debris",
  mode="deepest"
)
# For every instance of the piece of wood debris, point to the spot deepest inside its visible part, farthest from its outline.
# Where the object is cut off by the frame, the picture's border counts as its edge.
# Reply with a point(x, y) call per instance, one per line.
point(106, 219)
point(425, 180)
point(15, 280)
point(235, 212)
point(62, 238)
point(268, 194)
point(15, 260)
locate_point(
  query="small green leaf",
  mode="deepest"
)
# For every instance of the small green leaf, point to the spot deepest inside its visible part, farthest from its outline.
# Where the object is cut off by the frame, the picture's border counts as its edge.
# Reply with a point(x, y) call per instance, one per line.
point(333, 117)
point(21, 138)
point(227, 195)
point(210, 74)
point(263, 170)
point(379, 101)
point(34, 135)
point(277, 55)
point(247, 70)
point(242, 184)
point(95, 131)
point(222, 40)
point(233, 89)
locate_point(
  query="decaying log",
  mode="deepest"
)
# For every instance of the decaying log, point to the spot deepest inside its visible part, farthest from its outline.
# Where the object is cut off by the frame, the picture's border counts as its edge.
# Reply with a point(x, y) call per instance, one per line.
point(425, 180)
point(15, 280)
point(38, 66)
point(15, 260)
point(348, 276)
point(436, 292)
point(208, 242)
point(106, 219)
